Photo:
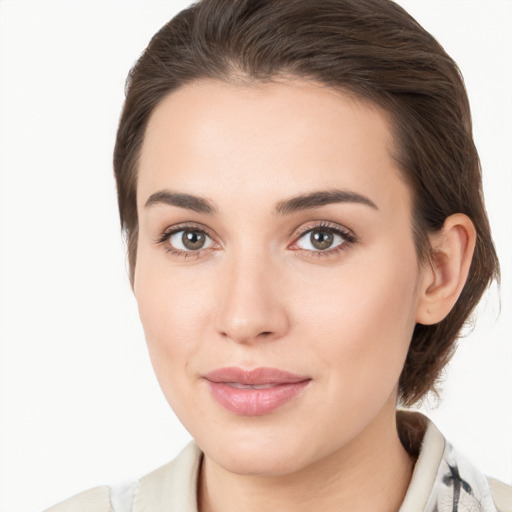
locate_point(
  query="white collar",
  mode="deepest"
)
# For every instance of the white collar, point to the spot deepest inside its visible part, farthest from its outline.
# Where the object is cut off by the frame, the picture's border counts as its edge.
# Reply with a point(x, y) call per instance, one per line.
point(443, 480)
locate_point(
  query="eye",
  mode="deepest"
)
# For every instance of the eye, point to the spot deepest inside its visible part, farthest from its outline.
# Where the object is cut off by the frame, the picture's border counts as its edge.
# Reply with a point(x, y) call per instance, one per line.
point(323, 239)
point(186, 240)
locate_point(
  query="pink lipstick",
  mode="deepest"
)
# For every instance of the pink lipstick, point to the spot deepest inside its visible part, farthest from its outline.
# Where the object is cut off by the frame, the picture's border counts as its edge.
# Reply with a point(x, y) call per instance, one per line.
point(254, 392)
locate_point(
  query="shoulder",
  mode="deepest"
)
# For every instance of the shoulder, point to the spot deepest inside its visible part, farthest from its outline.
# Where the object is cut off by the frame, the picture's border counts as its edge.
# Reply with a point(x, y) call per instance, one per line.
point(93, 500)
point(168, 488)
point(442, 475)
point(501, 494)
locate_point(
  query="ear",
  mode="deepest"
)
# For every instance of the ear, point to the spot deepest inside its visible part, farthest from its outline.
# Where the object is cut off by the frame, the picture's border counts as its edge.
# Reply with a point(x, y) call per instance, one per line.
point(444, 276)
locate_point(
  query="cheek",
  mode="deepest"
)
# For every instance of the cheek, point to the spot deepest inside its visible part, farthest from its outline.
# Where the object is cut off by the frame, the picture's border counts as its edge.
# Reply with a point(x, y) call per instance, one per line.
point(363, 320)
point(170, 308)
point(169, 300)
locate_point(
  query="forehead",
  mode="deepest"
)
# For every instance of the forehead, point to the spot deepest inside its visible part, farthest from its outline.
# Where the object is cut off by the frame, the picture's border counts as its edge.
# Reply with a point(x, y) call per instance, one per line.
point(266, 138)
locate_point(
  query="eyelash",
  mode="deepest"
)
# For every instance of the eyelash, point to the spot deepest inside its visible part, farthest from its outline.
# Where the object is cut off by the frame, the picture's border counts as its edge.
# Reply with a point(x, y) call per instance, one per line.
point(348, 239)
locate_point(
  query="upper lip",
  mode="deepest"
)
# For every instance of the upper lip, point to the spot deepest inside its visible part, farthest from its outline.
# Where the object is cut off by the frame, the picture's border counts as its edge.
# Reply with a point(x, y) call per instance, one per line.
point(256, 377)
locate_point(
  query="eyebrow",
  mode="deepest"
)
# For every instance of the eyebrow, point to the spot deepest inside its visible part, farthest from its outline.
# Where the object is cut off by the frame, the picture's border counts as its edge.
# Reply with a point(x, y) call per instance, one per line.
point(315, 199)
point(188, 201)
point(306, 201)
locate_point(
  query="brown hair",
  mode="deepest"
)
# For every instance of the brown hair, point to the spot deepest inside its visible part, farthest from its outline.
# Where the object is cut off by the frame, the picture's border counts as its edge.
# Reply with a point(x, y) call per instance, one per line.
point(370, 48)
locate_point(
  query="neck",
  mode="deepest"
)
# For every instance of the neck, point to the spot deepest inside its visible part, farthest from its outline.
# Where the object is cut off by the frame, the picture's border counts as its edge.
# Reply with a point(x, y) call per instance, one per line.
point(371, 473)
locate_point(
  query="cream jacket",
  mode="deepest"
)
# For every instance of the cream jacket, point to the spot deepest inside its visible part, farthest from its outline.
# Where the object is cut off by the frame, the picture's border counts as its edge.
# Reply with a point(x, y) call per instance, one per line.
point(442, 481)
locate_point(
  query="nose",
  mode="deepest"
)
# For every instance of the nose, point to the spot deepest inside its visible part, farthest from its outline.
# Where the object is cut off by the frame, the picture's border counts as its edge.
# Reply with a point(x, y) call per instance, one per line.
point(250, 300)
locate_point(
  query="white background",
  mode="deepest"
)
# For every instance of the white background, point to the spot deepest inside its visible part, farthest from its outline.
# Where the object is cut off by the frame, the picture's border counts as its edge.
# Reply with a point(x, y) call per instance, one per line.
point(79, 403)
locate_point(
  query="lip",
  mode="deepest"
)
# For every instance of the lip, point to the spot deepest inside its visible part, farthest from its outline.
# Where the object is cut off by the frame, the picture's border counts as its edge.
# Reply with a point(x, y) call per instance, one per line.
point(234, 389)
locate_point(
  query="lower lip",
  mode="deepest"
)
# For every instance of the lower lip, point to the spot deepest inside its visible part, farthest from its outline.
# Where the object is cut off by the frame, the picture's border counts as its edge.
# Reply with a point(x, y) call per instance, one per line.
point(255, 402)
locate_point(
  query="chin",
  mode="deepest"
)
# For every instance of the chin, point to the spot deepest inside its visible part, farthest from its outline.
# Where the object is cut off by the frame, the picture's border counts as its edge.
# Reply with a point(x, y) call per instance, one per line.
point(262, 454)
point(258, 462)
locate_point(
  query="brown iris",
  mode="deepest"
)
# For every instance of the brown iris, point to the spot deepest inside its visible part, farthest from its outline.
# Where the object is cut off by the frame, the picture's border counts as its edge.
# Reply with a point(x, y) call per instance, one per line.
point(193, 240)
point(321, 239)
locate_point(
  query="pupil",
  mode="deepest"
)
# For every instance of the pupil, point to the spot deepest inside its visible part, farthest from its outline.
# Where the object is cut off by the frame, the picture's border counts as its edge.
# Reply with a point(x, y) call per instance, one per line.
point(321, 239)
point(193, 239)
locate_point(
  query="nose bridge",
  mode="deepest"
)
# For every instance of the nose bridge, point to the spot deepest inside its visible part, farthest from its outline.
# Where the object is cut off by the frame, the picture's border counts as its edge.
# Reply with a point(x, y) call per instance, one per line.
point(250, 308)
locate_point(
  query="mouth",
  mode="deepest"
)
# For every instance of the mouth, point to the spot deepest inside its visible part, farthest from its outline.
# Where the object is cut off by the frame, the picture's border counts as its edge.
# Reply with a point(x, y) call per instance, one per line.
point(254, 392)
point(238, 385)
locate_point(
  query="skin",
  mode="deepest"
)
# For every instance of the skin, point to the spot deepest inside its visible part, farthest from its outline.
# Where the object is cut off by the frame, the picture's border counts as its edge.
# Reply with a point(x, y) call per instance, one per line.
point(261, 295)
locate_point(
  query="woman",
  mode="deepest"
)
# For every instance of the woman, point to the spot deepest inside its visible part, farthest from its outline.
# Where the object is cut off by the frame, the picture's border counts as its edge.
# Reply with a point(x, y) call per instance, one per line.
point(302, 202)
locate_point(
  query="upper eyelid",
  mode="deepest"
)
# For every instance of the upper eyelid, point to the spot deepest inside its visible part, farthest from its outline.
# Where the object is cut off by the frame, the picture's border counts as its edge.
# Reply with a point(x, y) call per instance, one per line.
point(322, 224)
point(176, 228)
point(295, 232)
point(348, 235)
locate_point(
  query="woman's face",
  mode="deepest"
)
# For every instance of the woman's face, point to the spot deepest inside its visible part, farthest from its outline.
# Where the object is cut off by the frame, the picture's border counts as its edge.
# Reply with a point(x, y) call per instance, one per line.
point(275, 235)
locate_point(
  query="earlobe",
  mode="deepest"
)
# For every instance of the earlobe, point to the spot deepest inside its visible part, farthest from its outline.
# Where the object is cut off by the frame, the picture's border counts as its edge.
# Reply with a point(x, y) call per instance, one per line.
point(444, 276)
